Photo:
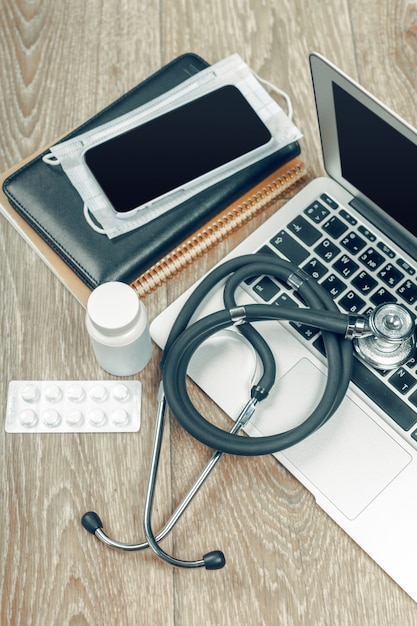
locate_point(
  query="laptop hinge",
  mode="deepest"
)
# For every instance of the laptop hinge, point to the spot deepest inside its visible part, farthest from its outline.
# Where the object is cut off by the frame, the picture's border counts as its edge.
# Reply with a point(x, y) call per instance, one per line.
point(358, 205)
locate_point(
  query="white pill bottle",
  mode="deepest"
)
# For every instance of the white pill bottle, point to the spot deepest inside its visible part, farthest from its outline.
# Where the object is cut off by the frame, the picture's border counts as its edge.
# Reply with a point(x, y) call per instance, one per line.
point(118, 326)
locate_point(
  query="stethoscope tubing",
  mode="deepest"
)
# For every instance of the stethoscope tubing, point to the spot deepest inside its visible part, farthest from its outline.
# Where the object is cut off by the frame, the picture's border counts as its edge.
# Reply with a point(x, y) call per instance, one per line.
point(184, 341)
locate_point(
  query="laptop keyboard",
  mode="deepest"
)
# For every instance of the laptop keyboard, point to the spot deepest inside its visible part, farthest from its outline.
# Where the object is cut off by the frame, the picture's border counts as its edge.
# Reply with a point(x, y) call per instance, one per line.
point(359, 270)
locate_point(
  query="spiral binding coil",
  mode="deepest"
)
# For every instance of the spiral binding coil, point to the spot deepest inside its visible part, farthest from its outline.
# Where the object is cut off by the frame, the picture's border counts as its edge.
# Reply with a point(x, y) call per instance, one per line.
point(212, 234)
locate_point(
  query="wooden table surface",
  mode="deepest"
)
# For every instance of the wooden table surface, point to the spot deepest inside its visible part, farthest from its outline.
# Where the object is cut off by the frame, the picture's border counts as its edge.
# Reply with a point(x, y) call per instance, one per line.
point(287, 562)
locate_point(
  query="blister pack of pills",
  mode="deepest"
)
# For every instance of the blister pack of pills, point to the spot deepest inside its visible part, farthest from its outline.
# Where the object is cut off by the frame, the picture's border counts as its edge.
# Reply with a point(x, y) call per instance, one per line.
point(73, 406)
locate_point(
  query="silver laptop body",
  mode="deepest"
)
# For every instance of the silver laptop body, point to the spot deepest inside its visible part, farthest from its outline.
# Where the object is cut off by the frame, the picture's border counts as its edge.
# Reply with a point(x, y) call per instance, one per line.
point(354, 232)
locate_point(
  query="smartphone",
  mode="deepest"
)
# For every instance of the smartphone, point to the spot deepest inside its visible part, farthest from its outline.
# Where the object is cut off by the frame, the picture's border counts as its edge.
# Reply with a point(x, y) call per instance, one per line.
point(177, 148)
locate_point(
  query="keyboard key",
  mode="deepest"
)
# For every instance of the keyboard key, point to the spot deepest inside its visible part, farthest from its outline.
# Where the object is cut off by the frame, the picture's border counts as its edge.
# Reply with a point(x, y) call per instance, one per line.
point(402, 381)
point(390, 275)
point(285, 300)
point(351, 302)
point(412, 362)
point(266, 250)
point(406, 267)
point(345, 266)
point(317, 212)
point(315, 268)
point(386, 399)
point(408, 291)
point(353, 243)
point(348, 217)
point(289, 248)
point(328, 200)
point(364, 283)
point(366, 233)
point(413, 400)
point(308, 332)
point(304, 230)
point(266, 288)
point(381, 296)
point(387, 251)
point(334, 285)
point(372, 259)
point(335, 227)
point(327, 250)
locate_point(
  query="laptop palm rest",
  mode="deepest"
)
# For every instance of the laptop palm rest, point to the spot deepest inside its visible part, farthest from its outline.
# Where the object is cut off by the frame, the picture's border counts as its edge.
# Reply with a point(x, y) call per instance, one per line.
point(348, 461)
point(351, 459)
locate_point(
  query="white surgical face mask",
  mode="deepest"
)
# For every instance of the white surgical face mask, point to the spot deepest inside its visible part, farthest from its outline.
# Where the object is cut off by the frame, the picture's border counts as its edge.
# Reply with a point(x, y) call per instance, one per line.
point(231, 71)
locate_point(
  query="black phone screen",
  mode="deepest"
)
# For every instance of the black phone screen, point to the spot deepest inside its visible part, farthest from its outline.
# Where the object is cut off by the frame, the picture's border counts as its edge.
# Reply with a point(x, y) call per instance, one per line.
point(175, 148)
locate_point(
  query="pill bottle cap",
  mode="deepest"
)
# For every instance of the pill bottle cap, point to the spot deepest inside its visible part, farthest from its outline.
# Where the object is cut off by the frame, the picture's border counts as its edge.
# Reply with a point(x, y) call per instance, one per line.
point(113, 308)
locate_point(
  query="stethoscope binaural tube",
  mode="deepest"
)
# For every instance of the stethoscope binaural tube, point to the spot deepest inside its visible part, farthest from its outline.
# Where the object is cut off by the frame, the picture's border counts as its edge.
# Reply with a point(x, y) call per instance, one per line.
point(212, 560)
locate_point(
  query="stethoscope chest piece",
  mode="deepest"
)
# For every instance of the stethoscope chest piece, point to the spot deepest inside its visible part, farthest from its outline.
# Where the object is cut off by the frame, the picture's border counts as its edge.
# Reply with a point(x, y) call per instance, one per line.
point(392, 341)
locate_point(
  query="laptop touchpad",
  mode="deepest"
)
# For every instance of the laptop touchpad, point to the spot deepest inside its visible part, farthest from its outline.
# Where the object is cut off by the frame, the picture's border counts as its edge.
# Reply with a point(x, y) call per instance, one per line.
point(350, 460)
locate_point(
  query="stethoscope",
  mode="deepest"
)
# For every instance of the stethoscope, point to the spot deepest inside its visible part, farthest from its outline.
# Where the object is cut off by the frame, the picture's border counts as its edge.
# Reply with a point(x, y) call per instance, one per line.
point(385, 339)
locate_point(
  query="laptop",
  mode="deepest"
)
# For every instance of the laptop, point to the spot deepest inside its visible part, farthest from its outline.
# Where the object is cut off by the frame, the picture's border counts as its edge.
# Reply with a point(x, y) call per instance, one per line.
point(354, 231)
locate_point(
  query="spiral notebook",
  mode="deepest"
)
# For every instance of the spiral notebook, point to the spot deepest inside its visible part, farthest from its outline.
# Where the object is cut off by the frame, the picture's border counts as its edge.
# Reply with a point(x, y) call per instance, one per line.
point(47, 211)
point(225, 223)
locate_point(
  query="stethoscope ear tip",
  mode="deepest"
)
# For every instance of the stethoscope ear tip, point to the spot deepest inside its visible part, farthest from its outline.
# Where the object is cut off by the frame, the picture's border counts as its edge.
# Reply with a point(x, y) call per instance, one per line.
point(91, 522)
point(214, 560)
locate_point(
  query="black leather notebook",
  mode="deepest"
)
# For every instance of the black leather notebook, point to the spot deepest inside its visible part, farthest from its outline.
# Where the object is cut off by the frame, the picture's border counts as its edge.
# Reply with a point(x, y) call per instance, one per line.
point(44, 197)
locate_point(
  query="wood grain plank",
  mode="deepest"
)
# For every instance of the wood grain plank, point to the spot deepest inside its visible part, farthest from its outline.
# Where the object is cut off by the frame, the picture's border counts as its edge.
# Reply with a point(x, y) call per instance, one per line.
point(385, 37)
point(288, 564)
point(61, 63)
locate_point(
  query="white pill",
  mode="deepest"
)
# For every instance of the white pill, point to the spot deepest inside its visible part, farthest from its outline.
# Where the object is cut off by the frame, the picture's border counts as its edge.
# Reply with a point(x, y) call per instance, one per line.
point(97, 417)
point(53, 393)
point(75, 393)
point(98, 393)
point(121, 392)
point(30, 393)
point(51, 418)
point(120, 417)
point(28, 418)
point(74, 418)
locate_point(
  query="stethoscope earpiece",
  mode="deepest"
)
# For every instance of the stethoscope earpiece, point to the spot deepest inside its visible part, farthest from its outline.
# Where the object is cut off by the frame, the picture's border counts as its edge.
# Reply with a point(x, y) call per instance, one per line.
point(91, 522)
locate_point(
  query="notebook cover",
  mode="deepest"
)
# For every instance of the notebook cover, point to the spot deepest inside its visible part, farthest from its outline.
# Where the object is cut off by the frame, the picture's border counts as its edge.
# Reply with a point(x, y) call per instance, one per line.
point(47, 201)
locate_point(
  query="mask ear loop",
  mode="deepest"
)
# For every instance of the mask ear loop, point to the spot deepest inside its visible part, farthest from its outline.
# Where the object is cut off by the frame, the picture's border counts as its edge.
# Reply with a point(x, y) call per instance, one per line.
point(90, 221)
point(277, 90)
point(51, 159)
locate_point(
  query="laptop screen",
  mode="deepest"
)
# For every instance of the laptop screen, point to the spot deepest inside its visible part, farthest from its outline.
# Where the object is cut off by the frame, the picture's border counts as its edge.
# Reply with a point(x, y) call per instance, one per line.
point(377, 159)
